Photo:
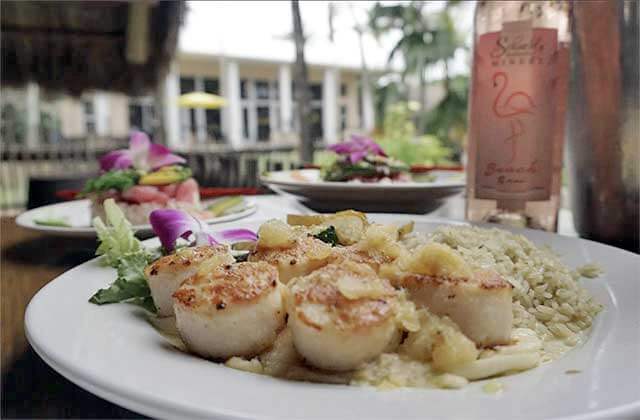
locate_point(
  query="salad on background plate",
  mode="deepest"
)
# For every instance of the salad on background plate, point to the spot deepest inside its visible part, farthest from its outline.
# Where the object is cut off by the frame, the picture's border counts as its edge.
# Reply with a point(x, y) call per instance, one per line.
point(363, 160)
point(143, 178)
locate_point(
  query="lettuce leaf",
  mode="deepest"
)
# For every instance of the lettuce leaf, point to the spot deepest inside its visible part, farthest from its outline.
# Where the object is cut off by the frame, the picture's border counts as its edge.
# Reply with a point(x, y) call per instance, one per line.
point(117, 239)
point(130, 286)
point(123, 251)
point(113, 180)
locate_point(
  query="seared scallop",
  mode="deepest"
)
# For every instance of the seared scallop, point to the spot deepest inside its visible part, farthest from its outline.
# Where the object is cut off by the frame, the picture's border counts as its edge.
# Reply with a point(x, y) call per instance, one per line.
point(480, 304)
point(302, 256)
point(167, 273)
point(233, 310)
point(341, 315)
point(478, 301)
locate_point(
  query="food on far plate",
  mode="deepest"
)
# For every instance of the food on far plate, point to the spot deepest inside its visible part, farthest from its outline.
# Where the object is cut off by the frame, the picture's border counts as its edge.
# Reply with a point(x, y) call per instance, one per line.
point(143, 178)
point(336, 298)
point(363, 160)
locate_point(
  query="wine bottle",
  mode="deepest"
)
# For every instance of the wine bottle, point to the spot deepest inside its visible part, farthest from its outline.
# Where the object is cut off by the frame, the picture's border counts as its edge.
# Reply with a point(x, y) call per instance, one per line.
point(517, 111)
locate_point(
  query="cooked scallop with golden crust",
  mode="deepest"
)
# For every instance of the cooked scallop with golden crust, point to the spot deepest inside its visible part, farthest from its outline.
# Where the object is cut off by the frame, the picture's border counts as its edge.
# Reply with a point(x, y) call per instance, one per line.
point(341, 315)
point(304, 255)
point(437, 278)
point(167, 273)
point(233, 310)
point(480, 305)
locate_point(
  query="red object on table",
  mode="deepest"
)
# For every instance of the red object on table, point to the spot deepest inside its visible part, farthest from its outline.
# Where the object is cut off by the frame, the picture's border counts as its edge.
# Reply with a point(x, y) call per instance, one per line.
point(67, 195)
point(211, 192)
point(205, 192)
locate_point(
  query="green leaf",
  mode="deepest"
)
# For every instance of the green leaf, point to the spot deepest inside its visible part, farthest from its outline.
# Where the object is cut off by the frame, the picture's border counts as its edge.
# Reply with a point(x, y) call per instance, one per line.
point(117, 180)
point(329, 235)
point(117, 239)
point(131, 268)
point(131, 285)
point(52, 221)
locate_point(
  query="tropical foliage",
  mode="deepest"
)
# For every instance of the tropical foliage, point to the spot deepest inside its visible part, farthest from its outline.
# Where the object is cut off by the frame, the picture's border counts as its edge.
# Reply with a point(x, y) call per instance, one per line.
point(426, 39)
point(399, 139)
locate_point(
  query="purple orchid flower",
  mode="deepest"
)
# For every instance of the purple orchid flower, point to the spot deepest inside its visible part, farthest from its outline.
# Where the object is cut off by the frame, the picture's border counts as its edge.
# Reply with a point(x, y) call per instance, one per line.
point(171, 224)
point(141, 154)
point(357, 148)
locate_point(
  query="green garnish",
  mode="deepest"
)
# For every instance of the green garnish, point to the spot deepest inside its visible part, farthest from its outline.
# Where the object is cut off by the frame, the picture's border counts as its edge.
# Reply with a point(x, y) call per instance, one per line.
point(117, 239)
point(223, 205)
point(342, 170)
point(52, 221)
point(120, 180)
point(130, 286)
point(329, 235)
point(123, 251)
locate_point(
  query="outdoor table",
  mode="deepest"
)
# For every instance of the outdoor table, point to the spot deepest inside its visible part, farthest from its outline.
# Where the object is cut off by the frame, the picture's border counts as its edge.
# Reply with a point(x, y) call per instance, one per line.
point(31, 259)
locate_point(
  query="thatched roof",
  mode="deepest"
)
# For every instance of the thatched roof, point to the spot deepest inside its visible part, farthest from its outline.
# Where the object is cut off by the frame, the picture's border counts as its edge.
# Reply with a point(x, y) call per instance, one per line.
point(79, 45)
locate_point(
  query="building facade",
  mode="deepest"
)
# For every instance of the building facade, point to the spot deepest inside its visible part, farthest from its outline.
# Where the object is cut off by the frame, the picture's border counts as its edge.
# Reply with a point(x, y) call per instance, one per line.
point(260, 109)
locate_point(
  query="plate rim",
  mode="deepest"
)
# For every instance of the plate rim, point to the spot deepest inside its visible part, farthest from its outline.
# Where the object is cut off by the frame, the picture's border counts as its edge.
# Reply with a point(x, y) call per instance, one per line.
point(266, 179)
point(25, 220)
point(153, 408)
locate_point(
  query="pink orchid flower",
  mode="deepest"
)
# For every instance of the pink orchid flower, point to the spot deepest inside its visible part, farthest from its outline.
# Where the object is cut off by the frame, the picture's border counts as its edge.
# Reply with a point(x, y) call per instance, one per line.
point(141, 154)
point(171, 224)
point(357, 148)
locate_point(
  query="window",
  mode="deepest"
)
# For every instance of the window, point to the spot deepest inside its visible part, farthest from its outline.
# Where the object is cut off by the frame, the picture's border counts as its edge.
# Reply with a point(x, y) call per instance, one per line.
point(262, 89)
point(187, 84)
point(315, 90)
point(212, 116)
point(243, 89)
point(188, 116)
point(343, 89)
point(264, 130)
point(343, 117)
point(211, 86)
point(142, 114)
point(89, 116)
point(245, 123)
point(260, 109)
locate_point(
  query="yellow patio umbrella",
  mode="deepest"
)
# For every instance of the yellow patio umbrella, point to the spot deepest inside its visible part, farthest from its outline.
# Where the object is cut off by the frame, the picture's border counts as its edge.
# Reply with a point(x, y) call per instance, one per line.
point(201, 100)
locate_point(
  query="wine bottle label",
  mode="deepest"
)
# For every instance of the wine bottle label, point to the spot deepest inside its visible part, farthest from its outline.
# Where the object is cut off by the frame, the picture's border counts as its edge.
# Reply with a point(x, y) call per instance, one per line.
point(513, 112)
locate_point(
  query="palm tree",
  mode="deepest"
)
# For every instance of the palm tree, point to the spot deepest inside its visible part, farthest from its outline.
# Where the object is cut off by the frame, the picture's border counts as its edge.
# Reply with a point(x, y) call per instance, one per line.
point(301, 80)
point(425, 40)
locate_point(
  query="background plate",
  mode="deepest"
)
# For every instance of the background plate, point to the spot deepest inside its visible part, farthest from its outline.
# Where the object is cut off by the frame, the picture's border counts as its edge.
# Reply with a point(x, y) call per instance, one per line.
point(364, 196)
point(78, 213)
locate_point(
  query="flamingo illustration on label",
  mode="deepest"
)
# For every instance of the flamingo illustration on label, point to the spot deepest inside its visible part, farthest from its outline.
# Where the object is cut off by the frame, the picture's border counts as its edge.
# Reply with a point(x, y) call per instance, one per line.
point(516, 104)
point(512, 117)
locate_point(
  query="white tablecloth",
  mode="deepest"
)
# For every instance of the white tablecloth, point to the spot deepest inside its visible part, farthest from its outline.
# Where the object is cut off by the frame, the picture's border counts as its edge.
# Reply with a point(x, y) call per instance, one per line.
point(278, 206)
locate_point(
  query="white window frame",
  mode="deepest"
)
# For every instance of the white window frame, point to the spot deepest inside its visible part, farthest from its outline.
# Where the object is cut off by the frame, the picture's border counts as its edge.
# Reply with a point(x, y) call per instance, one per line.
point(89, 117)
point(147, 103)
point(251, 104)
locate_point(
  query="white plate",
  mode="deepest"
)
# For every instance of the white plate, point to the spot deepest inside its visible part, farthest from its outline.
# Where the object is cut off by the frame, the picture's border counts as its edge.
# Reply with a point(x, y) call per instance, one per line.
point(78, 214)
point(113, 352)
point(307, 183)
